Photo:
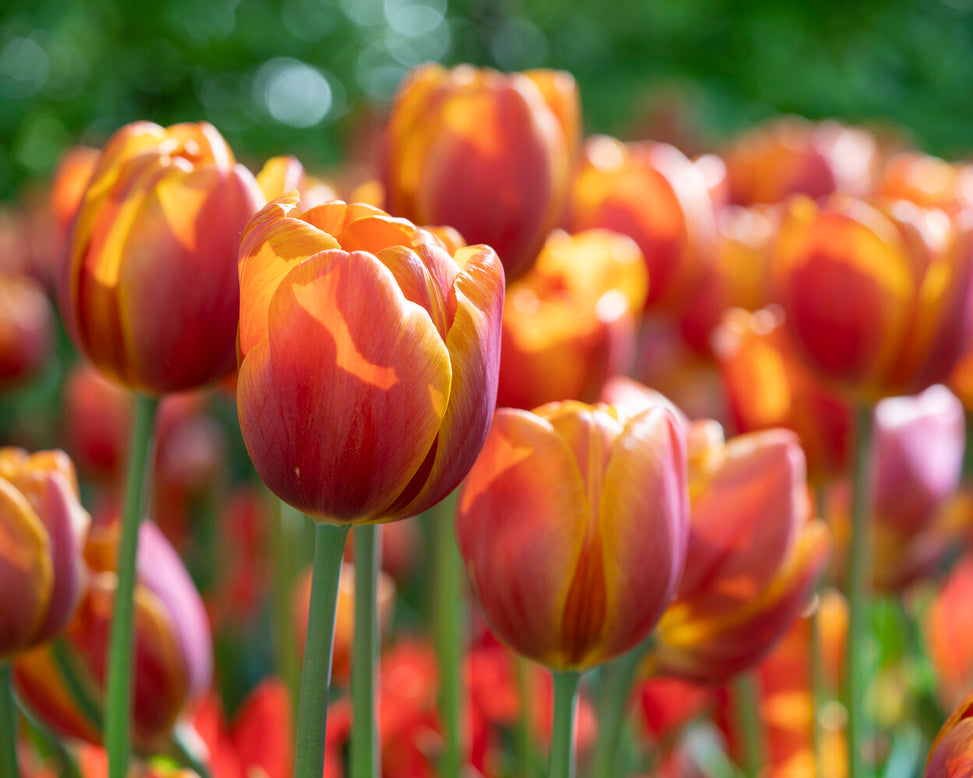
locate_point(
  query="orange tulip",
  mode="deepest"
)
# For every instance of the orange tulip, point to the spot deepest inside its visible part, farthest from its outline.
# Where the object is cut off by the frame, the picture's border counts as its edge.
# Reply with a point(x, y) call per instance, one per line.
point(42, 529)
point(754, 555)
point(26, 328)
point(948, 634)
point(878, 303)
point(927, 181)
point(572, 524)
point(790, 156)
point(172, 652)
point(768, 385)
point(570, 322)
point(951, 755)
point(280, 175)
point(149, 291)
point(654, 194)
point(368, 359)
point(487, 153)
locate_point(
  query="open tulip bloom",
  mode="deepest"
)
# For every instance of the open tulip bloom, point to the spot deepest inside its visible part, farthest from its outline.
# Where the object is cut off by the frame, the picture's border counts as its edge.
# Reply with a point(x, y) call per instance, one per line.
point(368, 377)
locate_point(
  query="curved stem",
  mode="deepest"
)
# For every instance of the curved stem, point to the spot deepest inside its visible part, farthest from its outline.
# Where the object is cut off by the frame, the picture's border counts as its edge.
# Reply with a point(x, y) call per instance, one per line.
point(566, 684)
point(312, 718)
point(118, 713)
point(748, 713)
point(8, 723)
point(858, 582)
point(449, 615)
point(365, 756)
point(65, 663)
point(617, 676)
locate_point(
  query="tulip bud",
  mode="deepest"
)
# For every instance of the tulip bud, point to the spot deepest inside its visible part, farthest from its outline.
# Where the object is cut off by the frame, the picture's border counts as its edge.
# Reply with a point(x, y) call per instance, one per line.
point(753, 556)
point(573, 527)
point(368, 359)
point(570, 322)
point(951, 755)
point(487, 153)
point(149, 291)
point(26, 328)
point(43, 527)
point(655, 195)
point(172, 650)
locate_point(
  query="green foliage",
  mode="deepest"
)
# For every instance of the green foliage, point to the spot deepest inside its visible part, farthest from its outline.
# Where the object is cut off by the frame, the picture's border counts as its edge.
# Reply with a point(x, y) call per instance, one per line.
point(296, 76)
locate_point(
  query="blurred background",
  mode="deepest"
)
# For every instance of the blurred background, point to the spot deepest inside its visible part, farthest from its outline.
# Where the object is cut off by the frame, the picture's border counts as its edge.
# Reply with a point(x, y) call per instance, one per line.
point(311, 77)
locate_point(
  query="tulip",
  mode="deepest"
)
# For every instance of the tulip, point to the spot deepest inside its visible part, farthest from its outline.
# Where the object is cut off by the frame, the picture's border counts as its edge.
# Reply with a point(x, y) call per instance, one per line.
point(918, 461)
point(44, 527)
point(570, 322)
point(173, 651)
point(557, 519)
point(790, 156)
point(948, 636)
point(655, 195)
point(877, 303)
point(754, 555)
point(149, 290)
point(767, 385)
point(368, 359)
point(367, 382)
point(26, 328)
point(927, 181)
point(280, 175)
point(950, 755)
point(487, 153)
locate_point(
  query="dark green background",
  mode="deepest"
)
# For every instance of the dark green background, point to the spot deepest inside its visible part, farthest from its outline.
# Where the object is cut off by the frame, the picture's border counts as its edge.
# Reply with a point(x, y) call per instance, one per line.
point(75, 71)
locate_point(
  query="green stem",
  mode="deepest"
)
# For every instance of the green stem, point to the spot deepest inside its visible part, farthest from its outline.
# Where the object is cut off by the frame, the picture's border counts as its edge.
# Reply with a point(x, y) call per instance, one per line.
point(312, 718)
point(858, 594)
point(75, 687)
point(8, 723)
point(617, 677)
point(748, 713)
point(365, 755)
point(189, 749)
point(524, 739)
point(566, 684)
point(119, 694)
point(287, 534)
point(449, 616)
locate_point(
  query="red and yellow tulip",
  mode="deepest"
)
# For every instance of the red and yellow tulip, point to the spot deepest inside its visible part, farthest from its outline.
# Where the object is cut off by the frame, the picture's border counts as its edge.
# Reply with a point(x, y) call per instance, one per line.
point(754, 555)
point(42, 531)
point(488, 153)
point(573, 527)
point(570, 322)
point(172, 652)
point(149, 291)
point(368, 359)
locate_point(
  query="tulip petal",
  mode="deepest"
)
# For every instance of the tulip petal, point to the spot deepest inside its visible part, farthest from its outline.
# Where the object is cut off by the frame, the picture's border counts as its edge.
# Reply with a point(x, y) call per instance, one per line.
point(744, 520)
point(643, 524)
point(26, 574)
point(523, 501)
point(473, 343)
point(351, 386)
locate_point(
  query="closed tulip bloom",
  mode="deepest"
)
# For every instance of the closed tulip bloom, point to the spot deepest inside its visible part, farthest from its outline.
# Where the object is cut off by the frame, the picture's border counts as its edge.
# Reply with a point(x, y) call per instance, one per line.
point(573, 526)
point(149, 291)
point(754, 556)
point(42, 529)
point(768, 385)
point(918, 461)
point(951, 754)
point(280, 175)
point(790, 156)
point(172, 652)
point(368, 359)
point(655, 195)
point(26, 328)
point(570, 322)
point(878, 303)
point(485, 152)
